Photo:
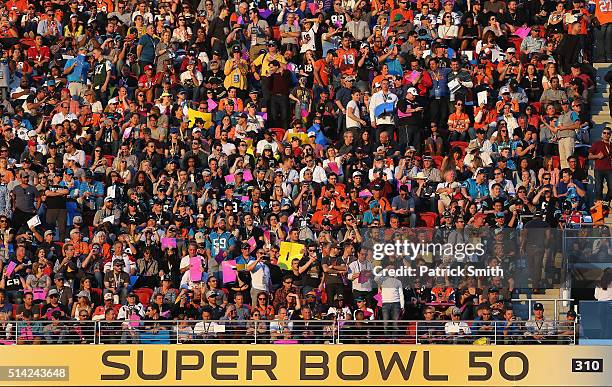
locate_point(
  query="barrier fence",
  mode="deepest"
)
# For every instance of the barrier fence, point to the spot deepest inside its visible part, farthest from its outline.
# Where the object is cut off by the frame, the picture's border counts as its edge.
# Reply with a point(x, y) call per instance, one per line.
point(292, 332)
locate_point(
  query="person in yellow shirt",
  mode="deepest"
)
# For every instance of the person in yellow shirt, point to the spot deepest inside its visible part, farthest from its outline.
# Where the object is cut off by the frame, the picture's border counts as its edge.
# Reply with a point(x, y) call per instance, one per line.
point(263, 61)
point(236, 70)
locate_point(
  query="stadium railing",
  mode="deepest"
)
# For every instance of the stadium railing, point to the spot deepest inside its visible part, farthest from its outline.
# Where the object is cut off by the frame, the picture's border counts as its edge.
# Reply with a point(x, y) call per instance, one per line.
point(292, 332)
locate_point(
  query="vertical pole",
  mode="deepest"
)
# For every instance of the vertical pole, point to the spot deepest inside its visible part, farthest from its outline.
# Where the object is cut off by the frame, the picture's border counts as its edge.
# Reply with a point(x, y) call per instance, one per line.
point(495, 332)
point(256, 329)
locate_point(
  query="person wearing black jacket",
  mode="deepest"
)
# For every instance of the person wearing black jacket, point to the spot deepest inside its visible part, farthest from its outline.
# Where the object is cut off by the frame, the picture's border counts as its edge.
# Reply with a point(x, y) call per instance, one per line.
point(410, 114)
point(305, 330)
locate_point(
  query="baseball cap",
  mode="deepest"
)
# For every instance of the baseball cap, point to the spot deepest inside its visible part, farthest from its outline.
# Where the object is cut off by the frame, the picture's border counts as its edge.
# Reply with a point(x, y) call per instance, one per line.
point(108, 296)
point(412, 91)
point(312, 134)
point(211, 293)
point(538, 306)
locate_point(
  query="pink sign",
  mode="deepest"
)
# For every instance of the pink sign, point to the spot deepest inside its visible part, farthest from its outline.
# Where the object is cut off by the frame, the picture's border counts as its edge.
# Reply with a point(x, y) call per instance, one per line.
point(378, 298)
point(195, 268)
point(522, 32)
point(168, 243)
point(211, 105)
point(247, 175)
point(228, 270)
point(39, 294)
point(333, 166)
point(252, 243)
point(10, 268)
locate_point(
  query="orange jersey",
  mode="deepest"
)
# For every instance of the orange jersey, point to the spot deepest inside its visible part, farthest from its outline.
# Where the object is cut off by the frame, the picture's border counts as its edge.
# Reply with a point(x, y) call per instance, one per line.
point(346, 61)
point(323, 70)
point(106, 6)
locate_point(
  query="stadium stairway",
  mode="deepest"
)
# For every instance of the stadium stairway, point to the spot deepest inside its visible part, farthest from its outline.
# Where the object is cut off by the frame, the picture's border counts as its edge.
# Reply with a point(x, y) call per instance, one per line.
point(600, 112)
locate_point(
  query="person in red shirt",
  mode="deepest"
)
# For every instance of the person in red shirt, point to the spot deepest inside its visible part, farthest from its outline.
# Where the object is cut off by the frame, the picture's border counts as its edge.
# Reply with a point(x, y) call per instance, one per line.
point(601, 152)
point(346, 60)
point(326, 212)
point(147, 81)
point(39, 54)
point(323, 68)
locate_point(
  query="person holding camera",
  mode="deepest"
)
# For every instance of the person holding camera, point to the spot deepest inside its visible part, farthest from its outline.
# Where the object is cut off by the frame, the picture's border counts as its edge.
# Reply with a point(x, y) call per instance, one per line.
point(116, 282)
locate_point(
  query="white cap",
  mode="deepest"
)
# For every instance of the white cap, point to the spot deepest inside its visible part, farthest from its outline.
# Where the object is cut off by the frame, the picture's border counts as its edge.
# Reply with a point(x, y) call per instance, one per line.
point(412, 91)
point(504, 90)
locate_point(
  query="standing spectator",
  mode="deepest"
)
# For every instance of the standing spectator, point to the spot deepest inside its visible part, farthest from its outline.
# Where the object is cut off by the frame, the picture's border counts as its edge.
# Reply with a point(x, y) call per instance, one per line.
point(26, 200)
point(601, 152)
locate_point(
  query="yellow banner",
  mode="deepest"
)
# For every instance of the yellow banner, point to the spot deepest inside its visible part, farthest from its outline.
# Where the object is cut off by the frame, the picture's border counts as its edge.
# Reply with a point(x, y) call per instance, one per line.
point(194, 114)
point(304, 365)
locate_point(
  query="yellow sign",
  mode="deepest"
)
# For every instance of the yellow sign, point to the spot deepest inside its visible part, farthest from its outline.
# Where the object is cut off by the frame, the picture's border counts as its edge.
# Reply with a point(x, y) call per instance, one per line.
point(194, 114)
point(288, 252)
point(305, 365)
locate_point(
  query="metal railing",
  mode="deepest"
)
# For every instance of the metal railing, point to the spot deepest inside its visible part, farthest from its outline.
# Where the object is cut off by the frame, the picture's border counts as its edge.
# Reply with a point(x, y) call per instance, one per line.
point(291, 332)
point(559, 305)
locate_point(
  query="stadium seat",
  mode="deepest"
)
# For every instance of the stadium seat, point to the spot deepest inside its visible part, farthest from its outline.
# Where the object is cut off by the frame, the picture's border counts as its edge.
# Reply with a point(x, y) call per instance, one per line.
point(14, 314)
point(410, 334)
point(276, 33)
point(87, 160)
point(460, 144)
point(556, 161)
point(428, 219)
point(98, 291)
point(144, 295)
point(110, 159)
point(582, 161)
point(279, 133)
point(437, 160)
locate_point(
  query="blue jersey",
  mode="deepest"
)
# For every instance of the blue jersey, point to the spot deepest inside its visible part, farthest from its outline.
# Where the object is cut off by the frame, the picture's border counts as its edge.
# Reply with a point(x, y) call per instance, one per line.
point(219, 242)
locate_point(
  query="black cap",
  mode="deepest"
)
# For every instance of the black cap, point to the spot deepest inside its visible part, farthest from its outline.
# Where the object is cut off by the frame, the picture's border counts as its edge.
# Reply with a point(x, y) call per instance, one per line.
point(493, 289)
point(538, 306)
point(571, 313)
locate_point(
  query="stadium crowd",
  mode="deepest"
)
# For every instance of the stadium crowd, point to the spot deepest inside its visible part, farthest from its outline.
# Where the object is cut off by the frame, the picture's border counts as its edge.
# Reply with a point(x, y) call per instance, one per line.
point(221, 159)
